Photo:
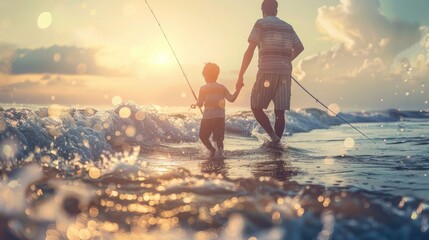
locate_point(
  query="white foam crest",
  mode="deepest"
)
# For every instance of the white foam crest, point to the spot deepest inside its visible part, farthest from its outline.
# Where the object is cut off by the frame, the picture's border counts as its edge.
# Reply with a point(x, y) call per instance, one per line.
point(125, 164)
point(54, 129)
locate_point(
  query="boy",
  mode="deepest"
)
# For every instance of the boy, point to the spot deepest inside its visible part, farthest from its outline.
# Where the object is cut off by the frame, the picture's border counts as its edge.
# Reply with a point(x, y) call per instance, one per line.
point(212, 96)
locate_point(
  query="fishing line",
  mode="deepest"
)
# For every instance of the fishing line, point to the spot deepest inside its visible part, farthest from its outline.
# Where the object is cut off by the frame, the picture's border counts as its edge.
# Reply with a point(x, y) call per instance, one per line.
point(336, 114)
point(195, 96)
point(174, 53)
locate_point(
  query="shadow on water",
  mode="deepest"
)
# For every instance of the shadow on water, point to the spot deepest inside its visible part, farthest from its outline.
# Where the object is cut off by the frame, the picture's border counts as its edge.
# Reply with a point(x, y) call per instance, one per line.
point(217, 167)
point(273, 164)
point(277, 166)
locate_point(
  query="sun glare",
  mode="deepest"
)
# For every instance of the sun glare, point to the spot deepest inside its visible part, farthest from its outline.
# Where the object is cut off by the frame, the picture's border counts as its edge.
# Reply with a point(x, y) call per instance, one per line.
point(161, 59)
point(156, 56)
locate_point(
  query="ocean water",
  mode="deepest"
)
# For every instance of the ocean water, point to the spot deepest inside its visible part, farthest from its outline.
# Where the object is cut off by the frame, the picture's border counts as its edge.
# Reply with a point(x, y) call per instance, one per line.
point(135, 172)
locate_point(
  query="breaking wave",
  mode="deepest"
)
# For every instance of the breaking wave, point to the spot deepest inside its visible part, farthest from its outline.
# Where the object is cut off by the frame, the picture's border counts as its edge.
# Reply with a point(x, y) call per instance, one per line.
point(60, 132)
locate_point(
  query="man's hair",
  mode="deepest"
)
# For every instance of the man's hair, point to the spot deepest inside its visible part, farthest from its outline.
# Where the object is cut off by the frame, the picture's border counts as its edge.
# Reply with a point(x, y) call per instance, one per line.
point(269, 7)
point(211, 72)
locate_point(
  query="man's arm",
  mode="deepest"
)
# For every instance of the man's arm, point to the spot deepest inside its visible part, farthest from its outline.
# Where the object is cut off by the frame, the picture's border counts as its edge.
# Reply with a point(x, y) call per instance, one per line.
point(247, 58)
point(297, 46)
point(296, 51)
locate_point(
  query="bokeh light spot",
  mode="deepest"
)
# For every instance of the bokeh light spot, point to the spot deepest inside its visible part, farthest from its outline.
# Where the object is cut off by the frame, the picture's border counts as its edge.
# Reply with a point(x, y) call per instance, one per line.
point(335, 109)
point(57, 57)
point(140, 116)
point(183, 95)
point(106, 125)
point(130, 131)
point(93, 212)
point(267, 84)
point(125, 112)
point(84, 234)
point(7, 151)
point(116, 100)
point(44, 20)
point(349, 143)
point(94, 173)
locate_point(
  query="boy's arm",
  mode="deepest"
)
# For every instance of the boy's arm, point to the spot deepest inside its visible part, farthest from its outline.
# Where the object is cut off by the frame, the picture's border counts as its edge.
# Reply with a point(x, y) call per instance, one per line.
point(232, 97)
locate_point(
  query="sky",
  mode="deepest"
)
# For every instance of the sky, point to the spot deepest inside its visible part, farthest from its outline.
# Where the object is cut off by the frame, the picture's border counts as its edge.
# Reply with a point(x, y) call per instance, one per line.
point(359, 54)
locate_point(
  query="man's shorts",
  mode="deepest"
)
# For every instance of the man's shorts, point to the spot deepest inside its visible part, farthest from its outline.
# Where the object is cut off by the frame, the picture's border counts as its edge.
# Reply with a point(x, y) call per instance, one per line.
point(271, 87)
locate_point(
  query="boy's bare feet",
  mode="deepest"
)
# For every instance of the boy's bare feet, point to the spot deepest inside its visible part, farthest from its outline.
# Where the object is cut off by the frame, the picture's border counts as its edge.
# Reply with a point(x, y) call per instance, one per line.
point(212, 153)
point(275, 140)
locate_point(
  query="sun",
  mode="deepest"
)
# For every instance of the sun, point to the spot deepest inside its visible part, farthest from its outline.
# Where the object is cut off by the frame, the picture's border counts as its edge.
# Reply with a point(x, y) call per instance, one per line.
point(155, 57)
point(162, 59)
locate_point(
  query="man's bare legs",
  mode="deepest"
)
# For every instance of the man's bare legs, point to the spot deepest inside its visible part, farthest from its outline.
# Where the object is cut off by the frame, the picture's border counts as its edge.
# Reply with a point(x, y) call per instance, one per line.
point(263, 120)
point(279, 126)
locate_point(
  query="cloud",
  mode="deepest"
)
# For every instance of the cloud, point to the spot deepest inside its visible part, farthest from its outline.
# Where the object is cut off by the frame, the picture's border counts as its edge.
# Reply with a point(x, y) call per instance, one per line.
point(425, 41)
point(425, 44)
point(61, 60)
point(41, 88)
point(91, 90)
point(367, 42)
point(7, 52)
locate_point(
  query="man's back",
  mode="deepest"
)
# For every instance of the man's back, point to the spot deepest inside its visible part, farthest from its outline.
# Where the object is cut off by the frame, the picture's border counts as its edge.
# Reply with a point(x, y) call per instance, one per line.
point(275, 39)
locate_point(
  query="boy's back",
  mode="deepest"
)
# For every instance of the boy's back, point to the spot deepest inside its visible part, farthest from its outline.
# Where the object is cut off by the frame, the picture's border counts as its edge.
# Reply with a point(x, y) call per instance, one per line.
point(212, 96)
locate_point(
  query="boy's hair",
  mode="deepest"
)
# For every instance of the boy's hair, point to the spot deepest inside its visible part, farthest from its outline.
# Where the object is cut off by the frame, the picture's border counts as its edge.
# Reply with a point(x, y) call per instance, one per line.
point(269, 7)
point(211, 72)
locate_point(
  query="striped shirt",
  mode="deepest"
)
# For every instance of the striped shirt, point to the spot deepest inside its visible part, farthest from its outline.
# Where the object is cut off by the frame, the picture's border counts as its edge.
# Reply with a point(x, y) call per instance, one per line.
point(275, 39)
point(213, 96)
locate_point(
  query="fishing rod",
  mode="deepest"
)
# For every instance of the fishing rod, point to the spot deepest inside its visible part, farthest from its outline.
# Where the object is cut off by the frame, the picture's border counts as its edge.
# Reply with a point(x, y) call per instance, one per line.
point(195, 96)
point(336, 114)
point(174, 53)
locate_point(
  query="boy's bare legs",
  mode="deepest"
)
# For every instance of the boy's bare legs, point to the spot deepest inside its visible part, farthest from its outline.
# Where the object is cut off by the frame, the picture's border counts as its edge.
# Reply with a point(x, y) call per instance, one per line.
point(209, 146)
point(219, 135)
point(263, 120)
point(280, 123)
point(219, 145)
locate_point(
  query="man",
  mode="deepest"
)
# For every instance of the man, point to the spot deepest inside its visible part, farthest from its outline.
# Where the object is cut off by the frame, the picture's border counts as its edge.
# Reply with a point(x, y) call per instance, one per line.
point(278, 46)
